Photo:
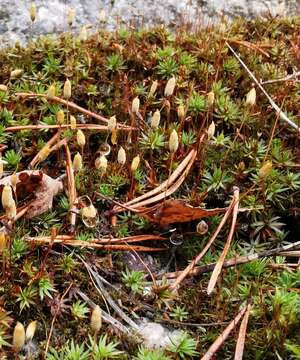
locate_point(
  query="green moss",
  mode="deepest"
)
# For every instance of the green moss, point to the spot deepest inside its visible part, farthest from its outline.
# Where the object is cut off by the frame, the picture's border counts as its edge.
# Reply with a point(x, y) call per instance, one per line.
point(107, 72)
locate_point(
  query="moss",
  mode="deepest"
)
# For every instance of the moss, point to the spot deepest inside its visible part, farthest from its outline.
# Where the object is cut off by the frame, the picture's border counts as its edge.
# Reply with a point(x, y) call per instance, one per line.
point(107, 72)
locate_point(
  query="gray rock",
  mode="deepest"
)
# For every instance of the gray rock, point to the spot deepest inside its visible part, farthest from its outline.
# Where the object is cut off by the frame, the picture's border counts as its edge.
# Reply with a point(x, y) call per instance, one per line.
point(15, 22)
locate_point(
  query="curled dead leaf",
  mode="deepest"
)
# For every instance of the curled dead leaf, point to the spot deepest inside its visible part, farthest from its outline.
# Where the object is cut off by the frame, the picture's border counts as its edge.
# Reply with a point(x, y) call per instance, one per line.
point(34, 189)
point(177, 211)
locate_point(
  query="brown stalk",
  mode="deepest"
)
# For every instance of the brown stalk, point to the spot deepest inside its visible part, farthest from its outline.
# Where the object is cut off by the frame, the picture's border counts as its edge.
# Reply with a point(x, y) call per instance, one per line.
point(65, 126)
point(240, 344)
point(221, 338)
point(220, 262)
point(71, 186)
point(191, 266)
point(72, 105)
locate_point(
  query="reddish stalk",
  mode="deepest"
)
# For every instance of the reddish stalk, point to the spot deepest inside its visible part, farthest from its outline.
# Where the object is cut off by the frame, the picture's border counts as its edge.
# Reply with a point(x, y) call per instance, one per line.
point(66, 126)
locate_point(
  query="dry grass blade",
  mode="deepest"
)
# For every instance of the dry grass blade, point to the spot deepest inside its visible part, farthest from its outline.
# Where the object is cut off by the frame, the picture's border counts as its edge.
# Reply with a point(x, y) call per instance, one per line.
point(92, 244)
point(221, 338)
point(54, 138)
point(158, 193)
point(195, 261)
point(71, 186)
point(240, 344)
point(128, 239)
point(72, 105)
point(273, 104)
point(220, 262)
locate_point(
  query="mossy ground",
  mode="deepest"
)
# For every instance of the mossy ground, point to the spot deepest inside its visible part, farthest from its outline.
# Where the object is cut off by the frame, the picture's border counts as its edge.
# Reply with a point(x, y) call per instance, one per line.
point(107, 71)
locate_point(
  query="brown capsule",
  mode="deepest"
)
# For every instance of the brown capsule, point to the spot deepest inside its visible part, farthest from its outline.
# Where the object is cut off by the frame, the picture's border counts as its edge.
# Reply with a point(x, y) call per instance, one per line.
point(96, 319)
point(30, 330)
point(80, 138)
point(3, 88)
point(77, 162)
point(7, 197)
point(73, 122)
point(135, 163)
point(155, 120)
point(153, 88)
point(60, 117)
point(51, 91)
point(265, 170)
point(135, 107)
point(173, 141)
point(101, 164)
point(251, 97)
point(3, 241)
point(121, 156)
point(32, 12)
point(18, 336)
point(170, 86)
point(67, 89)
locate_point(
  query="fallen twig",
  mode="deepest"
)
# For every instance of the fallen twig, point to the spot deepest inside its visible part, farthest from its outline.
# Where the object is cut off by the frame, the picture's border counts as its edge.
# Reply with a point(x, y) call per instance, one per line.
point(291, 77)
point(128, 239)
point(236, 261)
point(107, 296)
